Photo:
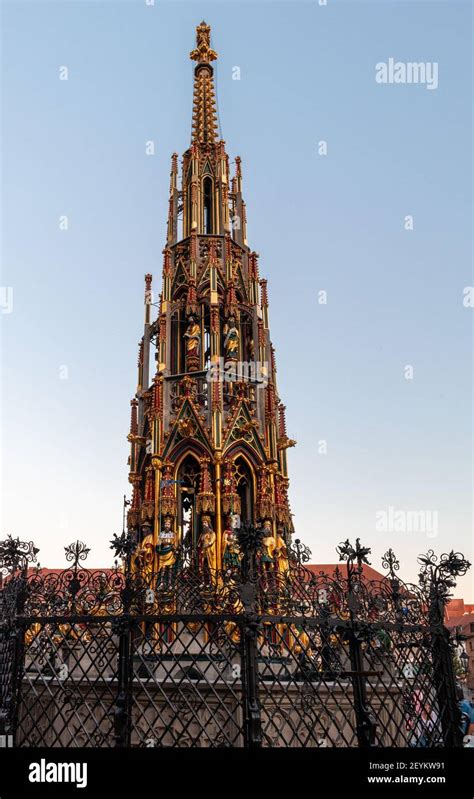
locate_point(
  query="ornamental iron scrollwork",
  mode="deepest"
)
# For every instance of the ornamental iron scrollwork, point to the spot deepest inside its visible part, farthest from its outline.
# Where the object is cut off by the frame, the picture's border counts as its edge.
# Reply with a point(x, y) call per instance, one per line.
point(299, 552)
point(268, 652)
point(16, 555)
point(249, 537)
point(390, 562)
point(355, 557)
point(76, 553)
point(438, 574)
point(123, 546)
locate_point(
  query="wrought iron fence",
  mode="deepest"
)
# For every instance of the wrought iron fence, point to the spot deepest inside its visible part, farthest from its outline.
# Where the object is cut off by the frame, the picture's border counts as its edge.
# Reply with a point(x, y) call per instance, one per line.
point(253, 656)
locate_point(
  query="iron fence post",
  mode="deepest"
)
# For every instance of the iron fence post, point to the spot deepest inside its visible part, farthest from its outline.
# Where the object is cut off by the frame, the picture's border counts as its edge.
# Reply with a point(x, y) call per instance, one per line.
point(365, 722)
point(11, 658)
point(444, 676)
point(122, 716)
point(437, 578)
point(124, 546)
point(15, 557)
point(122, 712)
point(252, 710)
point(355, 558)
point(249, 538)
point(14, 642)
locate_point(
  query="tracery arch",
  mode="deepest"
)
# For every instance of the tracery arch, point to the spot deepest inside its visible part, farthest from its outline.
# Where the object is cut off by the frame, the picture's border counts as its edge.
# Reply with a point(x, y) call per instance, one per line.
point(207, 205)
point(245, 484)
point(187, 486)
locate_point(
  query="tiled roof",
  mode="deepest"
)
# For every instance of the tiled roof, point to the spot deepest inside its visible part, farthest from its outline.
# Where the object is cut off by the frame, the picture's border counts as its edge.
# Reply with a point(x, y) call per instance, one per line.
point(457, 607)
point(460, 621)
point(329, 569)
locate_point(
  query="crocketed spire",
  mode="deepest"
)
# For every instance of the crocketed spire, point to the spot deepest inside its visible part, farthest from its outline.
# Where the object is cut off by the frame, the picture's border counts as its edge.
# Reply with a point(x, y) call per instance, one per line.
point(204, 103)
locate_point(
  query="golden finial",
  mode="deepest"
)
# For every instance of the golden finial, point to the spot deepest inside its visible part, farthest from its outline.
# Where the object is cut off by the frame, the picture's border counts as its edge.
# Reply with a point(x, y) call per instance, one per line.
point(203, 52)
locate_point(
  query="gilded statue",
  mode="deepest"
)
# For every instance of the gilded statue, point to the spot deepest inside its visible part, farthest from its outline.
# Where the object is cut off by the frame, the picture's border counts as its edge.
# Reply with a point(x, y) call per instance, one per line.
point(231, 340)
point(145, 555)
point(299, 642)
point(166, 550)
point(268, 546)
point(231, 554)
point(207, 560)
point(280, 553)
point(193, 344)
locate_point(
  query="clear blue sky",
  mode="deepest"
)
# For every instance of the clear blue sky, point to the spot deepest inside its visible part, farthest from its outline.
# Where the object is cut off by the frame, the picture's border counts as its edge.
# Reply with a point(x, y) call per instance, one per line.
point(331, 223)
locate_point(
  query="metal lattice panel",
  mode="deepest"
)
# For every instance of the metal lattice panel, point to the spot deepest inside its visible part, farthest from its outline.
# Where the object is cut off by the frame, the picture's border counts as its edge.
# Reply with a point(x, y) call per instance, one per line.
point(248, 657)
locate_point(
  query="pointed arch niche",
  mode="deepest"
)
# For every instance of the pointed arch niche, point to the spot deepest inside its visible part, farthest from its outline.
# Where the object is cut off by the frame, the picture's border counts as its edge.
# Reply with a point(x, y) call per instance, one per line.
point(207, 205)
point(245, 487)
point(187, 487)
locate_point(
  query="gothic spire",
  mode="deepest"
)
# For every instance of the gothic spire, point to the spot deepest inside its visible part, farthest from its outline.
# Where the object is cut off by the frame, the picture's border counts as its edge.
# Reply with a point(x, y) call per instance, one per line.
point(204, 103)
point(208, 438)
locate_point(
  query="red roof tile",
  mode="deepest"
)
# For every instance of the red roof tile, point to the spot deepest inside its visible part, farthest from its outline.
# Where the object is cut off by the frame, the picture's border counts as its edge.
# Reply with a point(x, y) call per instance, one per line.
point(329, 569)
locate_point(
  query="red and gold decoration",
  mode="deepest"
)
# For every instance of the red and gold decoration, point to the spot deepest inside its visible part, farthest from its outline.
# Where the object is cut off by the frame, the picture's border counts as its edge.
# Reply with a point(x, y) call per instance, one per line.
point(265, 498)
point(230, 497)
point(147, 509)
point(168, 498)
point(208, 430)
point(206, 501)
